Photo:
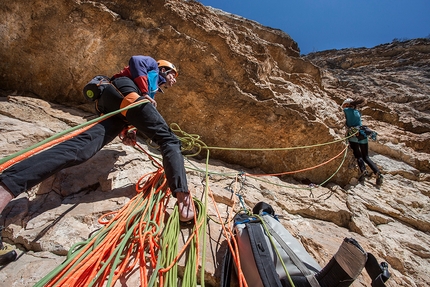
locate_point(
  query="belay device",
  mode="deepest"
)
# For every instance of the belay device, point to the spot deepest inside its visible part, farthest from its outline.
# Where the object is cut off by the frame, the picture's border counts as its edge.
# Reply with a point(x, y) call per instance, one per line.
point(271, 257)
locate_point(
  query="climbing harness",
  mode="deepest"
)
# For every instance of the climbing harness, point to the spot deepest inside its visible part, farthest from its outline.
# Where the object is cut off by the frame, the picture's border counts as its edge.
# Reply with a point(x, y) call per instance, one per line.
point(361, 132)
point(128, 135)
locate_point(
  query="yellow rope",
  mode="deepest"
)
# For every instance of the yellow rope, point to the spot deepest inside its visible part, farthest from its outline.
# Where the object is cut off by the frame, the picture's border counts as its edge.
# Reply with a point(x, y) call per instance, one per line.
point(191, 141)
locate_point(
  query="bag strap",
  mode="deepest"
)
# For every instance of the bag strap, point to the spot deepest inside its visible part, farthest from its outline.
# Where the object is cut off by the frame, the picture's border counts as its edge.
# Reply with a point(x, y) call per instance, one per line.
point(377, 272)
point(296, 260)
point(226, 268)
point(263, 259)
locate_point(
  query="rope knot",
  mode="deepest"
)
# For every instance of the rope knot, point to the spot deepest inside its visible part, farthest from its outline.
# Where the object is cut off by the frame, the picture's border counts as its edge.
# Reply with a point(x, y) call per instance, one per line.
point(191, 143)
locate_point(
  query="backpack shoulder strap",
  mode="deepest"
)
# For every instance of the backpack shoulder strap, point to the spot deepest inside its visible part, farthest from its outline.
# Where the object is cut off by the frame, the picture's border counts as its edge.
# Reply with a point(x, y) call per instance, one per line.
point(226, 269)
point(262, 256)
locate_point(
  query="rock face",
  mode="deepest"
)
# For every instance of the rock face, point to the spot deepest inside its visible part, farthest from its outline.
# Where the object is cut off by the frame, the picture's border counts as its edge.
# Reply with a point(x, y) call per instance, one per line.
point(394, 78)
point(241, 85)
point(238, 80)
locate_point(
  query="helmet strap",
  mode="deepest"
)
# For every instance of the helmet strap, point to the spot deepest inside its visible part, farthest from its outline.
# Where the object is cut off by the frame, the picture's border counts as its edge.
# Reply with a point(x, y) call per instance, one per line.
point(166, 72)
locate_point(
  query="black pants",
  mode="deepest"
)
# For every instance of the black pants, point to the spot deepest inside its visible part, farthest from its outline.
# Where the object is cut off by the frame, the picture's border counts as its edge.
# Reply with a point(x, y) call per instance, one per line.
point(361, 153)
point(33, 170)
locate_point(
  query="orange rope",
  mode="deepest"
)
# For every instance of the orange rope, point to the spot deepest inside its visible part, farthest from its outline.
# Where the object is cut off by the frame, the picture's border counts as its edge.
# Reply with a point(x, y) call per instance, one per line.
point(86, 267)
point(150, 157)
point(29, 153)
point(231, 239)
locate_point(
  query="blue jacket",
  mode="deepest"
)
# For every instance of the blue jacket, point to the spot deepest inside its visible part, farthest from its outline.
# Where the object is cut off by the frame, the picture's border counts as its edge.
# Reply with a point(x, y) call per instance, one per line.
point(143, 70)
point(353, 119)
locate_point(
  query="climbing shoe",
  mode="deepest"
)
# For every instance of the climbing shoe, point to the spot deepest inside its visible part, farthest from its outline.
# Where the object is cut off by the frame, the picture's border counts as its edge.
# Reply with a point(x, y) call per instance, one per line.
point(379, 179)
point(7, 254)
point(363, 176)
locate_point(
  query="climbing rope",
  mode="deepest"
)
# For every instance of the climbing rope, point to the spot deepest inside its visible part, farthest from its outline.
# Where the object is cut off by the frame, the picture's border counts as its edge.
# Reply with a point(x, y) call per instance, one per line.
point(58, 138)
point(192, 142)
point(137, 236)
point(170, 255)
point(130, 237)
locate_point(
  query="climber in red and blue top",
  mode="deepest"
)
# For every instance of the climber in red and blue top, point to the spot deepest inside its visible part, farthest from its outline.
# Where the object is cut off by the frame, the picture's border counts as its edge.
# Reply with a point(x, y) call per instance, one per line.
point(138, 81)
point(149, 74)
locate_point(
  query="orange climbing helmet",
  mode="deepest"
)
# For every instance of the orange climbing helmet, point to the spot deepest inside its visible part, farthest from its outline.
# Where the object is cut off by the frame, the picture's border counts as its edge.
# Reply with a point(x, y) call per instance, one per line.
point(168, 66)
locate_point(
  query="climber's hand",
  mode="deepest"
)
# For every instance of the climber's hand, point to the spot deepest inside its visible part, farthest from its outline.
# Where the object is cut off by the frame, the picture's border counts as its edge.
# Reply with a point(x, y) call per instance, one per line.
point(128, 136)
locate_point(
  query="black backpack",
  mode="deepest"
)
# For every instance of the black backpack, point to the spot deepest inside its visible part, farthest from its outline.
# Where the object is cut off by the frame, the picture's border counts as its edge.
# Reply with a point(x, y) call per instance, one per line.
point(271, 257)
point(93, 90)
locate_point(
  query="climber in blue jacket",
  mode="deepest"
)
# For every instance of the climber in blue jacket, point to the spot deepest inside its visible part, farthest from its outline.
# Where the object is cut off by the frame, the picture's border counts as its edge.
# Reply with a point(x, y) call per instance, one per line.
point(359, 142)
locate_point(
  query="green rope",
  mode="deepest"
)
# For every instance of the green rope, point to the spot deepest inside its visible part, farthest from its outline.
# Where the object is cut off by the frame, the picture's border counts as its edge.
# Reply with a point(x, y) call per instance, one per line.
point(263, 223)
point(337, 170)
point(170, 239)
point(170, 247)
point(61, 134)
point(190, 278)
point(191, 141)
point(202, 274)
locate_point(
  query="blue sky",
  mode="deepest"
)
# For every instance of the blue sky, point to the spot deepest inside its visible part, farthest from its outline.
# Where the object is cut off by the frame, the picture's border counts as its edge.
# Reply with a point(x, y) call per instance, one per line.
point(318, 25)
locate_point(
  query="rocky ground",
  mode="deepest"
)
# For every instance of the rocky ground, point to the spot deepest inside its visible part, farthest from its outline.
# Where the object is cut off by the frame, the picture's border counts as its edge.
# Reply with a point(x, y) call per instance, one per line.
point(392, 221)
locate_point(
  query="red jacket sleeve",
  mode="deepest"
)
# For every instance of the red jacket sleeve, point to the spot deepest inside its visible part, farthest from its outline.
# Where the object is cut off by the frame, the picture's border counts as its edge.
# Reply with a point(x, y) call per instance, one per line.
point(142, 84)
